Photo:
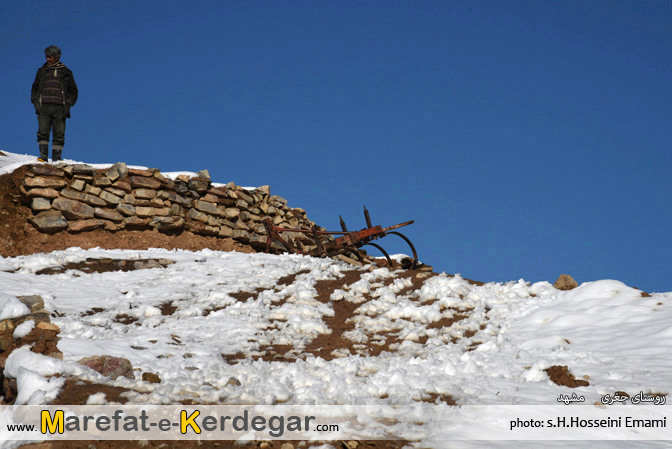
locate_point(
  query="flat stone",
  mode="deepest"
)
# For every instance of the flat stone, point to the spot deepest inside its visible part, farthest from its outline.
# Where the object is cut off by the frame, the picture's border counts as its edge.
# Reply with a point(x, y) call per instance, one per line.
point(83, 169)
point(40, 204)
point(198, 216)
point(154, 202)
point(73, 210)
point(141, 182)
point(42, 193)
point(114, 191)
point(126, 209)
point(85, 225)
point(204, 206)
point(241, 235)
point(140, 172)
point(167, 223)
point(108, 214)
point(145, 194)
point(102, 181)
point(244, 195)
point(130, 199)
point(42, 181)
point(109, 198)
point(83, 197)
point(225, 231)
point(47, 170)
point(210, 198)
point(174, 197)
point(266, 190)
point(230, 212)
point(92, 190)
point(112, 367)
point(199, 185)
point(152, 212)
point(78, 185)
point(258, 241)
point(134, 222)
point(49, 221)
point(48, 327)
point(123, 185)
point(242, 204)
point(184, 178)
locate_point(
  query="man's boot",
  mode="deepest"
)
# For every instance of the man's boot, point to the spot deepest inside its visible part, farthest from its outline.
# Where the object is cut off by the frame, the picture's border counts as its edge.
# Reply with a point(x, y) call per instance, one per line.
point(56, 154)
point(44, 153)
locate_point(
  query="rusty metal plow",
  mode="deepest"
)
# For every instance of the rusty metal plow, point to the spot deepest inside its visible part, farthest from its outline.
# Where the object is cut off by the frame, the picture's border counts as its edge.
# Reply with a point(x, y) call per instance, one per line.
point(324, 245)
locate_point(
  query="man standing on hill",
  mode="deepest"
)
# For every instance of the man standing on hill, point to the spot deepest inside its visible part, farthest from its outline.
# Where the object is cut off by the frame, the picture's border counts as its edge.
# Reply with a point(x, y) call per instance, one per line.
point(54, 92)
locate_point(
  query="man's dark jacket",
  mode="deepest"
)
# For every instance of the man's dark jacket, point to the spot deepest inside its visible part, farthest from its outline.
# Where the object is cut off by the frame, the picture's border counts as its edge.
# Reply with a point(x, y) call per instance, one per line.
point(69, 90)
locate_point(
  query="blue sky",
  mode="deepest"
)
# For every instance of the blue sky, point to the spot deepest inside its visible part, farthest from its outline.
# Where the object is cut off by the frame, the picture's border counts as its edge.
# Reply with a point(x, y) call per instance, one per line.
point(525, 138)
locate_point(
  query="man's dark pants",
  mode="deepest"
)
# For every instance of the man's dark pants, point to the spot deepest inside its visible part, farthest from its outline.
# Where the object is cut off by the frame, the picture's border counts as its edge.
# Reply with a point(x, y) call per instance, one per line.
point(51, 117)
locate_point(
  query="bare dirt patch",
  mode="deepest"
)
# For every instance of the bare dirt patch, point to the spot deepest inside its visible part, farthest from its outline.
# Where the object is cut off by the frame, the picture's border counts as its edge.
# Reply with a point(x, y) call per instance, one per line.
point(560, 375)
point(105, 265)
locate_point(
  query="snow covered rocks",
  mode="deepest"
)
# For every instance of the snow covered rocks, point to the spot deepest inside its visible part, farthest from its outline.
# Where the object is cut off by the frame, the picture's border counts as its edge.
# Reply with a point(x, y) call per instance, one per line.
point(79, 198)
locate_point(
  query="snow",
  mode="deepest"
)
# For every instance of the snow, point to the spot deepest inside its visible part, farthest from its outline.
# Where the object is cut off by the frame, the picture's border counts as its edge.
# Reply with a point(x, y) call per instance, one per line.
point(496, 355)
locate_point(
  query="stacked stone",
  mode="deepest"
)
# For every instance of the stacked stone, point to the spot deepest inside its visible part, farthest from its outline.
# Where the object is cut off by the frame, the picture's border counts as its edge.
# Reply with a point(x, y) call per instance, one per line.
point(80, 198)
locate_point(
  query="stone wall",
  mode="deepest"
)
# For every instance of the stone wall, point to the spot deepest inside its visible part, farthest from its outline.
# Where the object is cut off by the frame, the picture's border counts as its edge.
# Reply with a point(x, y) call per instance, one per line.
point(80, 198)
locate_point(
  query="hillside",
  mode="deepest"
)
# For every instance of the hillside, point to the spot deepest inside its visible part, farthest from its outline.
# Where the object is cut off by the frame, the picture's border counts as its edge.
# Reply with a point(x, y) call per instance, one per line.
point(185, 320)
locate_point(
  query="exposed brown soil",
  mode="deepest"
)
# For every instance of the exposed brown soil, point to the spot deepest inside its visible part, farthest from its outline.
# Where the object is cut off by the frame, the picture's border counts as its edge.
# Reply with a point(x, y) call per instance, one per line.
point(107, 265)
point(560, 375)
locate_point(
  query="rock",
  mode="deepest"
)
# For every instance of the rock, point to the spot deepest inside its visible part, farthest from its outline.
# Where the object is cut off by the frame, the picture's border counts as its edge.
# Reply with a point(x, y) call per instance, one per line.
point(278, 200)
point(264, 189)
point(232, 382)
point(130, 199)
point(167, 223)
point(141, 182)
point(258, 241)
point(40, 204)
point(48, 327)
point(83, 169)
point(287, 446)
point(73, 210)
point(151, 378)
point(101, 181)
point(34, 302)
point(85, 225)
point(42, 193)
point(108, 214)
point(174, 197)
point(117, 171)
point(565, 282)
point(205, 174)
point(87, 198)
point(41, 181)
point(114, 191)
point(123, 185)
point(199, 185)
point(92, 190)
point(109, 366)
point(140, 172)
point(204, 206)
point(231, 212)
point(152, 211)
point(198, 216)
point(109, 197)
point(126, 209)
point(352, 444)
point(78, 185)
point(145, 194)
point(225, 232)
point(49, 221)
point(134, 222)
point(241, 235)
point(154, 202)
point(47, 170)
